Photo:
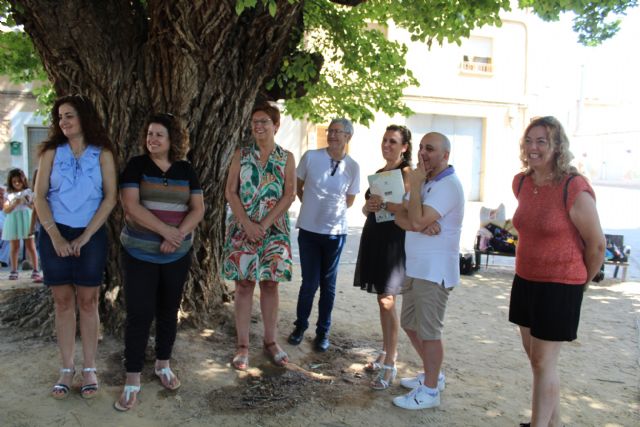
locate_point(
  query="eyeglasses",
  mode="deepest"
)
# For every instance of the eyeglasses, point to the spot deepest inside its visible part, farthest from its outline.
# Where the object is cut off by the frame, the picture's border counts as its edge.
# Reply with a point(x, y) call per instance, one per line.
point(336, 132)
point(262, 122)
point(334, 166)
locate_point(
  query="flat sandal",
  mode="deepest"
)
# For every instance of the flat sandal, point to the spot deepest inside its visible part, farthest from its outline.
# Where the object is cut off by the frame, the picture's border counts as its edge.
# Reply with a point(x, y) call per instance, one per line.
point(281, 358)
point(241, 361)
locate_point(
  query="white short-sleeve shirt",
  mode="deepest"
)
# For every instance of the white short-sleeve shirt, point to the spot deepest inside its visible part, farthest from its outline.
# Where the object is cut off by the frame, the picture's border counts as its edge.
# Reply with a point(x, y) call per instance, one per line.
point(324, 200)
point(437, 258)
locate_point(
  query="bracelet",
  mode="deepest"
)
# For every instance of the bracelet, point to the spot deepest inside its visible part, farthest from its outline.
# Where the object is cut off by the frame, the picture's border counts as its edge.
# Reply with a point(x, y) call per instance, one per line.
point(47, 228)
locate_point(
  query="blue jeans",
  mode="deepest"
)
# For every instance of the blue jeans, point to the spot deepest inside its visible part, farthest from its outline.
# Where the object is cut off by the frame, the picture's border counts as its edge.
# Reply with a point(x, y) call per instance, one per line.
point(319, 257)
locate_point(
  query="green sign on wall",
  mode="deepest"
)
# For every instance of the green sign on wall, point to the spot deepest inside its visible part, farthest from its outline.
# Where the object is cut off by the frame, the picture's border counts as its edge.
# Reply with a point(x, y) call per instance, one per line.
point(16, 148)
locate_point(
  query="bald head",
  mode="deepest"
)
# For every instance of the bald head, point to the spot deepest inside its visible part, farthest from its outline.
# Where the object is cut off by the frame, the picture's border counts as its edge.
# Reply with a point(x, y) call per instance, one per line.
point(434, 153)
point(441, 139)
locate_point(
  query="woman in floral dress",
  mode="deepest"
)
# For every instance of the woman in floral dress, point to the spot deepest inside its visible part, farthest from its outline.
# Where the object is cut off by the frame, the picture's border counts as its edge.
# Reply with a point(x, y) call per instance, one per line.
point(260, 188)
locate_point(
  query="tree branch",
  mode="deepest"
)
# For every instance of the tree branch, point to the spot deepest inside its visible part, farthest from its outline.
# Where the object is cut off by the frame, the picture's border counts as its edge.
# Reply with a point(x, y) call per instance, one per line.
point(348, 2)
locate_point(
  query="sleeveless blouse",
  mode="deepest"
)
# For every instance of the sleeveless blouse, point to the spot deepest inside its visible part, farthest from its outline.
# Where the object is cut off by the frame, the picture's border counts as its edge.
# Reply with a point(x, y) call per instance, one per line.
point(260, 189)
point(75, 186)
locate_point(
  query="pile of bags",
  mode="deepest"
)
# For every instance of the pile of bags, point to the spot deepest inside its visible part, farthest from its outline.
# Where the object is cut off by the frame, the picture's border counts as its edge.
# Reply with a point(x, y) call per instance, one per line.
point(496, 233)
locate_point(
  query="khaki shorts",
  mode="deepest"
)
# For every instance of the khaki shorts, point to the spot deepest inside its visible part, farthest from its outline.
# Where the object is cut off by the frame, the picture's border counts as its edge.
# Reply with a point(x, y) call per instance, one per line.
point(423, 307)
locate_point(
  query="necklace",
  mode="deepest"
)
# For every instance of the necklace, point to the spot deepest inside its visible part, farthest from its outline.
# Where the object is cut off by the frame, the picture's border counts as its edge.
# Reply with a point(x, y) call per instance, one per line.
point(543, 182)
point(77, 153)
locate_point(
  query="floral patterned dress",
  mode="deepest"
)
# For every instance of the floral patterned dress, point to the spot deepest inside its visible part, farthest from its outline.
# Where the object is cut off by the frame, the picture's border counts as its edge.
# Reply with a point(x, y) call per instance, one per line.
point(261, 187)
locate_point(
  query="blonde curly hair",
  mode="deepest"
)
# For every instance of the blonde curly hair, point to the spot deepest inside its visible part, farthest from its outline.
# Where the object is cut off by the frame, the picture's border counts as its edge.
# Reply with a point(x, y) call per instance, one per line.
point(559, 142)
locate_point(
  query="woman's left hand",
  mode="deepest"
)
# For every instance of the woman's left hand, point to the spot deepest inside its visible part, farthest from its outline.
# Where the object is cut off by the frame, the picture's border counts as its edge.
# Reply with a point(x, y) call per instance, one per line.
point(78, 243)
point(374, 203)
point(167, 248)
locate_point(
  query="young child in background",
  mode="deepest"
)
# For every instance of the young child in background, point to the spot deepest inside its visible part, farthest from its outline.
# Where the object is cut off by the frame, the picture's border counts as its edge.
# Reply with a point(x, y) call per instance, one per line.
point(18, 203)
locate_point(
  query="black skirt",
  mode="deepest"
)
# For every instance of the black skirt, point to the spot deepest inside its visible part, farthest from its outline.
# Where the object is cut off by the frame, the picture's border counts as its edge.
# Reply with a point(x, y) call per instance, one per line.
point(381, 257)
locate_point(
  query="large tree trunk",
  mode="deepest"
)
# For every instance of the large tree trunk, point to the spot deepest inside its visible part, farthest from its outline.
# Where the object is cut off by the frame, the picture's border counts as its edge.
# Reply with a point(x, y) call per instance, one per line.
point(195, 59)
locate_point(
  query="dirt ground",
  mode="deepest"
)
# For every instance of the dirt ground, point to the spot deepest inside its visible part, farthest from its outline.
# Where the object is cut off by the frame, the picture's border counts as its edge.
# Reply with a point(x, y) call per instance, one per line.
point(488, 377)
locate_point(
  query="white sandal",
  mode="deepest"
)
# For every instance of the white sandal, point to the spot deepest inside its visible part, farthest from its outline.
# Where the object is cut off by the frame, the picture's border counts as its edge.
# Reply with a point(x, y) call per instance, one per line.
point(168, 375)
point(128, 390)
point(380, 383)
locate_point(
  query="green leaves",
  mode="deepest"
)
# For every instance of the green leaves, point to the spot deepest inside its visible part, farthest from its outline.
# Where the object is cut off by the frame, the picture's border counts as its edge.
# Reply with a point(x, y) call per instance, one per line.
point(271, 5)
point(363, 71)
point(18, 59)
point(344, 64)
point(20, 62)
point(594, 21)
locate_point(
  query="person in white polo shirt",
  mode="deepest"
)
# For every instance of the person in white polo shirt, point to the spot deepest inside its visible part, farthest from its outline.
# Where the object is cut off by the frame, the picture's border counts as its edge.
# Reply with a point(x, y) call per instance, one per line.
point(433, 219)
point(328, 181)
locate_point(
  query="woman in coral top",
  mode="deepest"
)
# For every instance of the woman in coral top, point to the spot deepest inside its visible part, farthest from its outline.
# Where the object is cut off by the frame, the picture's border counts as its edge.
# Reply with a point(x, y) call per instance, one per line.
point(560, 249)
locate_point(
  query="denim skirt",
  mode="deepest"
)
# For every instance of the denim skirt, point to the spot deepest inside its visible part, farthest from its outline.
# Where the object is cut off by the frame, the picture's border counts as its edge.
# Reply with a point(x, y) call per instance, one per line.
point(84, 270)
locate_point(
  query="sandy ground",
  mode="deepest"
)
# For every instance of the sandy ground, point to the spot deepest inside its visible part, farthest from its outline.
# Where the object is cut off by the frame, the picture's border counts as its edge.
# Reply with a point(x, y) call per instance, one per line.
point(488, 378)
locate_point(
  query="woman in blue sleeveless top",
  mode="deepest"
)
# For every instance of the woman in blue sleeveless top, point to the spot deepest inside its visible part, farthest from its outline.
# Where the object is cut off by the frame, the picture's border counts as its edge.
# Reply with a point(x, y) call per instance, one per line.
point(75, 193)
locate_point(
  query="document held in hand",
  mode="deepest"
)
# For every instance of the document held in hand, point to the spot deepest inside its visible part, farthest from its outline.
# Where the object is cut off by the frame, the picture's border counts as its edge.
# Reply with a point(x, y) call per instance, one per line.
point(390, 186)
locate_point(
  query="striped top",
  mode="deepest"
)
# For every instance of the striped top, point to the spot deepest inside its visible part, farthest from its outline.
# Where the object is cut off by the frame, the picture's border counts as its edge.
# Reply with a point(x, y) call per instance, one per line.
point(164, 194)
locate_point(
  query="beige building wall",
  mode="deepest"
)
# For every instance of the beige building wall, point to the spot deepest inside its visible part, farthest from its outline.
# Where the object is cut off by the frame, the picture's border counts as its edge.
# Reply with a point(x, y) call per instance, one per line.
point(449, 71)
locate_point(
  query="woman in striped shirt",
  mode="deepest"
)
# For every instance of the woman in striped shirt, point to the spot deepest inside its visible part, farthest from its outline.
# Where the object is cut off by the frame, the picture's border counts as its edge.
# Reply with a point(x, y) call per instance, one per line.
point(163, 203)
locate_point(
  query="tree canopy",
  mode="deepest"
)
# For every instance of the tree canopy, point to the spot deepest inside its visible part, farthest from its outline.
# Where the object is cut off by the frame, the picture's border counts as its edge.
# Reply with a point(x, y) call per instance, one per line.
point(337, 62)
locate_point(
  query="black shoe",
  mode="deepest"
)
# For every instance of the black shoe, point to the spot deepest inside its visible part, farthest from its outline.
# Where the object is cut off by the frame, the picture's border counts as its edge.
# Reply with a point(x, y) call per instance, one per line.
point(321, 343)
point(296, 336)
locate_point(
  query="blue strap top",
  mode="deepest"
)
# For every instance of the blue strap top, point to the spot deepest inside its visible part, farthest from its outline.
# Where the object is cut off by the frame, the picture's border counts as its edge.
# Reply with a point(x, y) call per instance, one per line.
point(75, 186)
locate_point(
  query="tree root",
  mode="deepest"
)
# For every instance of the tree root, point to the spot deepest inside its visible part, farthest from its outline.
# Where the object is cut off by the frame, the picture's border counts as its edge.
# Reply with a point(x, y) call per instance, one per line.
point(30, 310)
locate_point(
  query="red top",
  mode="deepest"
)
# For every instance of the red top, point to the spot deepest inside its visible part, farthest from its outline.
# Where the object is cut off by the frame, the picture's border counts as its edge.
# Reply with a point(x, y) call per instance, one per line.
point(549, 247)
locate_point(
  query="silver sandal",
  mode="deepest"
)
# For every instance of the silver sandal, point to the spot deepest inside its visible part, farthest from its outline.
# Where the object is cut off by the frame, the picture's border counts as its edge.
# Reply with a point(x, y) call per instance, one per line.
point(379, 383)
point(60, 387)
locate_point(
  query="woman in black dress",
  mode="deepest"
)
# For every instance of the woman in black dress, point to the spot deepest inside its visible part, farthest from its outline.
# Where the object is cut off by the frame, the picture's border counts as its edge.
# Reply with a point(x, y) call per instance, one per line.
point(380, 266)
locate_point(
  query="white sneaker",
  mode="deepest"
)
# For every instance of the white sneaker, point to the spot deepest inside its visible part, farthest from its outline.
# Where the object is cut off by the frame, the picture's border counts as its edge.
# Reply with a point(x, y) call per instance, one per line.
point(418, 398)
point(413, 382)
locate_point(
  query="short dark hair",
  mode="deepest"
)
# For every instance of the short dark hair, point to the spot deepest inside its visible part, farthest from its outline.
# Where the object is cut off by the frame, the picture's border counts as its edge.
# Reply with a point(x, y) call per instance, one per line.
point(92, 129)
point(406, 139)
point(178, 136)
point(16, 173)
point(269, 109)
